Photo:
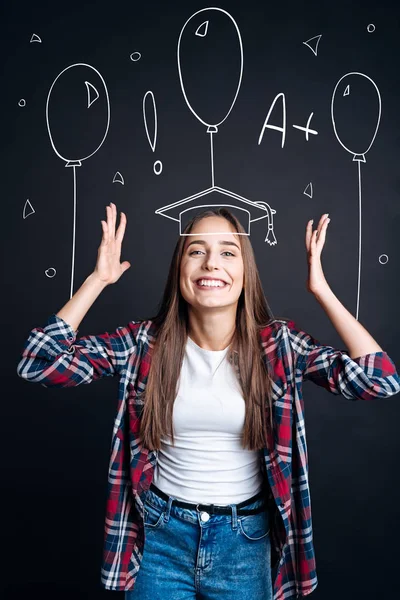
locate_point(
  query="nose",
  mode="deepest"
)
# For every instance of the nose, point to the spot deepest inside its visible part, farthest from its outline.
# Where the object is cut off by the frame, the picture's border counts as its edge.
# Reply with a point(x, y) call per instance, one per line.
point(210, 262)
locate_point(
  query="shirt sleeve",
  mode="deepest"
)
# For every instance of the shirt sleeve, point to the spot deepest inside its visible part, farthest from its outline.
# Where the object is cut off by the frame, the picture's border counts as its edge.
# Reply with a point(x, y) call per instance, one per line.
point(52, 356)
point(369, 376)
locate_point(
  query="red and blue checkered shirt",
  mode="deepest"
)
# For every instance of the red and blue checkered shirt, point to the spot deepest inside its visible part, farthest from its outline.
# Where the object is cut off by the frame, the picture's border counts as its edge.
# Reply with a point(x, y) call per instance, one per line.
point(54, 356)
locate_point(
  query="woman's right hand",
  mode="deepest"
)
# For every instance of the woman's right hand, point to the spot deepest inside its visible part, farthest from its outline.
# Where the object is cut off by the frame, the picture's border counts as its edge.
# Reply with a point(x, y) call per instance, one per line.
point(108, 267)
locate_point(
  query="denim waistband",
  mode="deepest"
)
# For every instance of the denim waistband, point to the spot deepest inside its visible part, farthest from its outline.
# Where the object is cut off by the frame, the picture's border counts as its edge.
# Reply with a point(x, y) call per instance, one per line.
point(255, 504)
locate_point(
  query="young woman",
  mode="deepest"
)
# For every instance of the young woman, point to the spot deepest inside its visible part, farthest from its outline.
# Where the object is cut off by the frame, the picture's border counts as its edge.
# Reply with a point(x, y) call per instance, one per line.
point(208, 491)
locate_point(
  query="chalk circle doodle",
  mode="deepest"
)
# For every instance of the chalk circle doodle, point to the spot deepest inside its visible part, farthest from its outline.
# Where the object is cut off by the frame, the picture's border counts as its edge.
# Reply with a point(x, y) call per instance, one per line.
point(35, 38)
point(50, 272)
point(77, 101)
point(383, 259)
point(158, 167)
point(353, 91)
point(135, 56)
point(371, 28)
point(210, 67)
point(22, 103)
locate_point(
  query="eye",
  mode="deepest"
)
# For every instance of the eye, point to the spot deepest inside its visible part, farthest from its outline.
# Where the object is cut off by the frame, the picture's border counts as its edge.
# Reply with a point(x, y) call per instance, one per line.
point(226, 252)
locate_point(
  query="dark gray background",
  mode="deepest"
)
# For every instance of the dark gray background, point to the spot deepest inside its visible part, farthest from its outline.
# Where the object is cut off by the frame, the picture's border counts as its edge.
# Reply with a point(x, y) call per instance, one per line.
point(56, 442)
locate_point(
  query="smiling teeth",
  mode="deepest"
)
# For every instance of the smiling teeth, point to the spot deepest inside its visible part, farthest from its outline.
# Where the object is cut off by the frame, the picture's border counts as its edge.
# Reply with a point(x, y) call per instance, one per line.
point(211, 283)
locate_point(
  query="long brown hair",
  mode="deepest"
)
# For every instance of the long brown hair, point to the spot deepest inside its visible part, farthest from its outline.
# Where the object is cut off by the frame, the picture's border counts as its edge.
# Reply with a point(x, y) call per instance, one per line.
point(244, 352)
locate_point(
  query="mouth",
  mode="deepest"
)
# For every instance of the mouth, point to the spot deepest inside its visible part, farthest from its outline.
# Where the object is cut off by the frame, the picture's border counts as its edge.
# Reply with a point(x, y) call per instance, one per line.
point(212, 288)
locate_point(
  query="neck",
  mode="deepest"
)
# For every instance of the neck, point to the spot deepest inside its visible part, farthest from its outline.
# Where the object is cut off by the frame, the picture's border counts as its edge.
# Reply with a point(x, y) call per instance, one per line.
point(212, 331)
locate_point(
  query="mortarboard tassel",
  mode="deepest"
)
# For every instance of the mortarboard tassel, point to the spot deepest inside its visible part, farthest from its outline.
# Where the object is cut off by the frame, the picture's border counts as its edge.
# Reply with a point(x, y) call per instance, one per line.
point(270, 237)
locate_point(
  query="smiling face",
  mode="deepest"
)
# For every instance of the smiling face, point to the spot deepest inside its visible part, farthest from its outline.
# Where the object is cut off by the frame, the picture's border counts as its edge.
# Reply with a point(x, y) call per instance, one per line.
point(216, 255)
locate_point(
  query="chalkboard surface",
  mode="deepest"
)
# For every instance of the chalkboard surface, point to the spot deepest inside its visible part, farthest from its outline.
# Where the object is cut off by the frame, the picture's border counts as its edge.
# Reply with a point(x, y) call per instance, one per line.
point(301, 117)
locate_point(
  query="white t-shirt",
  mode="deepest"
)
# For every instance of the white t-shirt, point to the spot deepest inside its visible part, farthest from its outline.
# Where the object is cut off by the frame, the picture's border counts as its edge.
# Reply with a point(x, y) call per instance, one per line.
point(208, 463)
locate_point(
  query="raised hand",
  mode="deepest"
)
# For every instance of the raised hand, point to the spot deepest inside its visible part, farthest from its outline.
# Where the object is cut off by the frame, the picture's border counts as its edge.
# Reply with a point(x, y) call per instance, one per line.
point(108, 267)
point(315, 241)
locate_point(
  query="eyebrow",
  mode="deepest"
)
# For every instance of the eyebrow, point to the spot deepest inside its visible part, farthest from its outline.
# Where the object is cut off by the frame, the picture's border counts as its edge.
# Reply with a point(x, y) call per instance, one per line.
point(221, 242)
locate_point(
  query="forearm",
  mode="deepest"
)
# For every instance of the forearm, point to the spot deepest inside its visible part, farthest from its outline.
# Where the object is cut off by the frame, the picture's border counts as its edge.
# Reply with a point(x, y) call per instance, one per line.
point(355, 337)
point(76, 308)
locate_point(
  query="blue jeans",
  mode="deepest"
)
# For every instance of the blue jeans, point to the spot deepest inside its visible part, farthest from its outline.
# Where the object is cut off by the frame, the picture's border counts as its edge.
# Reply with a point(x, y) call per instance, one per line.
point(188, 556)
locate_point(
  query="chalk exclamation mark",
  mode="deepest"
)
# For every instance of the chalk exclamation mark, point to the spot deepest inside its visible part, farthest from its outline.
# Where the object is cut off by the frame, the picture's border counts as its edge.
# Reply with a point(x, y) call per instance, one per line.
point(150, 112)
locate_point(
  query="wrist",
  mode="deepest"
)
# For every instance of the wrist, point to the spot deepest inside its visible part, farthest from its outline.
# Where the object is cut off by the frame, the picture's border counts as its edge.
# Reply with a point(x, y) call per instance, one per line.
point(96, 282)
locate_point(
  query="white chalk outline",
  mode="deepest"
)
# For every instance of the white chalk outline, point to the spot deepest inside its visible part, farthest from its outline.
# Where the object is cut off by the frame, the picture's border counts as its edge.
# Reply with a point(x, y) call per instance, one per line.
point(158, 167)
point(316, 37)
point(270, 237)
point(74, 163)
point(180, 72)
point(22, 103)
point(359, 158)
point(135, 59)
point(90, 88)
point(371, 30)
point(310, 191)
point(27, 206)
point(78, 160)
point(307, 127)
point(35, 38)
point(275, 127)
point(205, 25)
point(346, 91)
point(154, 142)
point(118, 178)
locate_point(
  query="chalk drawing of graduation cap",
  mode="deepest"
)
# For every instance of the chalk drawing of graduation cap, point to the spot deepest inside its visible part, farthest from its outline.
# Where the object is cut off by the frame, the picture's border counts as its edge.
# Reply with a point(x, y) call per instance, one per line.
point(246, 210)
point(210, 66)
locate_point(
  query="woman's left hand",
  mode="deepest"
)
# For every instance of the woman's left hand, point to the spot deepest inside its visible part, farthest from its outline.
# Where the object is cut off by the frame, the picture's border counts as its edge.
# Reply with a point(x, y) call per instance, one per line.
point(315, 241)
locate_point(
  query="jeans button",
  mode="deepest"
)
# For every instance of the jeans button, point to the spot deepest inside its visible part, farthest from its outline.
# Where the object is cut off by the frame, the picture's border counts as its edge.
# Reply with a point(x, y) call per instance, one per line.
point(204, 516)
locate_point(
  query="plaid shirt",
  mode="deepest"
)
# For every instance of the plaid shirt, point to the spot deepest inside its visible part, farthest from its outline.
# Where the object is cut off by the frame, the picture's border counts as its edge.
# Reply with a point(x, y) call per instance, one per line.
point(53, 356)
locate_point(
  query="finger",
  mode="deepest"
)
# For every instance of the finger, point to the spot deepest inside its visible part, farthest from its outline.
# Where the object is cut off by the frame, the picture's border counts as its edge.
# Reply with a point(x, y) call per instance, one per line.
point(104, 229)
point(109, 222)
point(113, 219)
point(322, 233)
point(107, 231)
point(309, 233)
point(313, 244)
point(121, 229)
point(125, 266)
point(115, 215)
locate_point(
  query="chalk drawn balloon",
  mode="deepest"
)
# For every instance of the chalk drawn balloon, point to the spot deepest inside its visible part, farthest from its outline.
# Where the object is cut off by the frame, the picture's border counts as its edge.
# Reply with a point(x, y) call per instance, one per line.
point(78, 118)
point(356, 113)
point(77, 112)
point(356, 108)
point(210, 64)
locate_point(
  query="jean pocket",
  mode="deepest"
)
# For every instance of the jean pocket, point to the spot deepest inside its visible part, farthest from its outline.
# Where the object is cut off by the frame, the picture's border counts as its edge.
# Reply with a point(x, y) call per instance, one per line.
point(254, 527)
point(153, 516)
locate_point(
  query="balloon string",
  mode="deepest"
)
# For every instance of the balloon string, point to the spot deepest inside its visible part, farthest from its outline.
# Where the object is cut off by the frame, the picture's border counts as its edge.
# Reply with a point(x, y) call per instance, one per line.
point(73, 236)
point(212, 158)
point(359, 237)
